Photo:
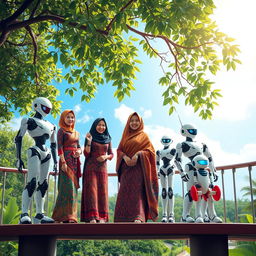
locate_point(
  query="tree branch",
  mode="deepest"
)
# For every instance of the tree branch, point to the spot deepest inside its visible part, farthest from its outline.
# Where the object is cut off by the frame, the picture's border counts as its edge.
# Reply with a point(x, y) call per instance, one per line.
point(165, 38)
point(16, 14)
point(109, 26)
point(17, 44)
point(35, 8)
point(54, 18)
point(33, 37)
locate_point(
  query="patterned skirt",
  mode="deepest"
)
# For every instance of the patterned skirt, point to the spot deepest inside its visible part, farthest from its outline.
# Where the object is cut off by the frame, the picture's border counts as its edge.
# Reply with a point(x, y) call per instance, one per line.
point(131, 201)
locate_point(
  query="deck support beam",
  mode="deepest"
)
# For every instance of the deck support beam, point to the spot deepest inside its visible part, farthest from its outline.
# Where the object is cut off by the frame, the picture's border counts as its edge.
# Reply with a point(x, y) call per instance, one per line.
point(210, 245)
point(37, 246)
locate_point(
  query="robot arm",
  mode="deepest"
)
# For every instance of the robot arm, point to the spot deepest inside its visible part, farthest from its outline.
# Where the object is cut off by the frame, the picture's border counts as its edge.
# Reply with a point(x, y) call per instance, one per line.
point(178, 162)
point(211, 164)
point(18, 142)
point(158, 161)
point(54, 148)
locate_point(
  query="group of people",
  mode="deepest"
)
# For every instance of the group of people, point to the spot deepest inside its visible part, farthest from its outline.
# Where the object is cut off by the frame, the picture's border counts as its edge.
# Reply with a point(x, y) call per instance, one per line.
point(136, 167)
point(137, 196)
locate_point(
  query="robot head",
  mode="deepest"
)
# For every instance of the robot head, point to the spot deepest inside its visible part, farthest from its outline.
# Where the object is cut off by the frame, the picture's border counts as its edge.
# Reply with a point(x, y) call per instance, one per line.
point(188, 130)
point(166, 140)
point(200, 162)
point(42, 105)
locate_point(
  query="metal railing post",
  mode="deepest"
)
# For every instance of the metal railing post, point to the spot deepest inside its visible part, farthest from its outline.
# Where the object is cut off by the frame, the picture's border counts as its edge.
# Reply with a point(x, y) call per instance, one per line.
point(234, 187)
point(224, 196)
point(251, 191)
point(2, 201)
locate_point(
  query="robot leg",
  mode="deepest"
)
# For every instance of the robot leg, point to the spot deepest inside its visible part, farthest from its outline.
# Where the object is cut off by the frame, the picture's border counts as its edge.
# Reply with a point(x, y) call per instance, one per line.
point(198, 213)
point(33, 169)
point(188, 202)
point(205, 211)
point(212, 214)
point(164, 194)
point(41, 191)
point(170, 198)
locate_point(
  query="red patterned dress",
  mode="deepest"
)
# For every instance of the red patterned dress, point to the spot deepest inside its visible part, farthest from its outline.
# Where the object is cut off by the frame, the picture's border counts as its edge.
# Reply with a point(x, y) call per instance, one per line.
point(94, 203)
point(68, 182)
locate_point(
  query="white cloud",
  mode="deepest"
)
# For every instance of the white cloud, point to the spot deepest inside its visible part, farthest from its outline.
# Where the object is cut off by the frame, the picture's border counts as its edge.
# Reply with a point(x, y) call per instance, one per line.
point(77, 108)
point(15, 123)
point(86, 118)
point(122, 113)
point(147, 114)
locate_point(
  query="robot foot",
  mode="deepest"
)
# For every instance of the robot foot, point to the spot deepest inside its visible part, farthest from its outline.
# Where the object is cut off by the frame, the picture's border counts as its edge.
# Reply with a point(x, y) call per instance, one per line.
point(216, 219)
point(171, 219)
point(199, 220)
point(40, 218)
point(164, 219)
point(188, 219)
point(25, 219)
point(206, 219)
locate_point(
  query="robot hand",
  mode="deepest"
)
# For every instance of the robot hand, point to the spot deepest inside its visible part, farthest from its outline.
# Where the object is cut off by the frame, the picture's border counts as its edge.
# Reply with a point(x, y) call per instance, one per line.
point(20, 165)
point(55, 169)
point(184, 176)
point(215, 177)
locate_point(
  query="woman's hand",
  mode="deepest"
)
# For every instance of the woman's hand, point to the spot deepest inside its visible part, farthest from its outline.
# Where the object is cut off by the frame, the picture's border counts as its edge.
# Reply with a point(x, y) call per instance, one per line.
point(88, 136)
point(102, 158)
point(64, 167)
point(129, 161)
point(77, 153)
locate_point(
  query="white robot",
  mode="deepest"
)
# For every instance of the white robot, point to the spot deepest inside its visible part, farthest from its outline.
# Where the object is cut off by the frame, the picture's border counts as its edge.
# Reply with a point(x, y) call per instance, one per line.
point(203, 191)
point(191, 149)
point(38, 159)
point(165, 173)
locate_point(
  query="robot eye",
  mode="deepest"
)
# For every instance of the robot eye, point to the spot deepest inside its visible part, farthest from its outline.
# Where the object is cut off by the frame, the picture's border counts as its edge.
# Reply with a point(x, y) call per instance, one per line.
point(45, 109)
point(203, 162)
point(192, 131)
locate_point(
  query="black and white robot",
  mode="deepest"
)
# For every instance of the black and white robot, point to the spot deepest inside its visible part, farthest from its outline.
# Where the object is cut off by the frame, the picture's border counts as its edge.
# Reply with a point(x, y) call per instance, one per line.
point(38, 159)
point(165, 173)
point(191, 149)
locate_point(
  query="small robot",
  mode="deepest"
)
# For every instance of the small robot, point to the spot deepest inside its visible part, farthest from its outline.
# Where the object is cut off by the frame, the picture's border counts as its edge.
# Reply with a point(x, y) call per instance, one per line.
point(38, 159)
point(165, 173)
point(203, 189)
point(191, 149)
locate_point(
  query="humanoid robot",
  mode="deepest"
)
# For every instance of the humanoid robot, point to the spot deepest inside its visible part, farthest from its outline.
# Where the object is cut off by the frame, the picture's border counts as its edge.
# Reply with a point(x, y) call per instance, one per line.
point(203, 191)
point(191, 149)
point(165, 173)
point(38, 159)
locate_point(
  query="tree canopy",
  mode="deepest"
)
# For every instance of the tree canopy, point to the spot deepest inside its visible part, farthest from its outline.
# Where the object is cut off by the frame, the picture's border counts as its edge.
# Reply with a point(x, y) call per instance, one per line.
point(98, 42)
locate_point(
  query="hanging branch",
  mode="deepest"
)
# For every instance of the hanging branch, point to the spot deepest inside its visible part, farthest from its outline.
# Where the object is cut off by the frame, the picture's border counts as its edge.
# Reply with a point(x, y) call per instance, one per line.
point(33, 37)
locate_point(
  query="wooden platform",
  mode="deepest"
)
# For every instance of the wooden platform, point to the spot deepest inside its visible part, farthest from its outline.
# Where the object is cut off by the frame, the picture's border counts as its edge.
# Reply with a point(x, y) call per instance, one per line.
point(43, 237)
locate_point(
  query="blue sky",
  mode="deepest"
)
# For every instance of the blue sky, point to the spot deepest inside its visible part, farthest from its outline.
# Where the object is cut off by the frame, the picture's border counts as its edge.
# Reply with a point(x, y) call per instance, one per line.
point(230, 135)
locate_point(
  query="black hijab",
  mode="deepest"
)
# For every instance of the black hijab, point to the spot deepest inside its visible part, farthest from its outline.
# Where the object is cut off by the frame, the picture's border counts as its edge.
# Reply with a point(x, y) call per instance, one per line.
point(102, 138)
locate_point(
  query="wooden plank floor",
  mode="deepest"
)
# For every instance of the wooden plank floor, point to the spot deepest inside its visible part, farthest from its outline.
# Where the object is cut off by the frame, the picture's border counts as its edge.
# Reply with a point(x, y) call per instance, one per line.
point(128, 231)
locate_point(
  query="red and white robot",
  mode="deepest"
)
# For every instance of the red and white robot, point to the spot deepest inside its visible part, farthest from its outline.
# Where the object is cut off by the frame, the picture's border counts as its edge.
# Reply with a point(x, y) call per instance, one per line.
point(38, 159)
point(203, 192)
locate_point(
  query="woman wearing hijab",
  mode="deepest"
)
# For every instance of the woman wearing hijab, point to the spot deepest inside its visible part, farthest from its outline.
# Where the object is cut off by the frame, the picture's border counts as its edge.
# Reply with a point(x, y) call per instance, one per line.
point(69, 152)
point(136, 170)
point(97, 150)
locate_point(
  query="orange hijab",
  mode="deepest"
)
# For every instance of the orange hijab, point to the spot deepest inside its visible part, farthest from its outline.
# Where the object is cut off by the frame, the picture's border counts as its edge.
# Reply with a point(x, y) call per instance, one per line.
point(62, 123)
point(134, 141)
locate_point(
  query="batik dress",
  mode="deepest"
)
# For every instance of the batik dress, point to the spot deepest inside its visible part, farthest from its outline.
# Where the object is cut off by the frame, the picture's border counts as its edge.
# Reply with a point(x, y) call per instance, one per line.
point(94, 203)
point(68, 182)
point(137, 198)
